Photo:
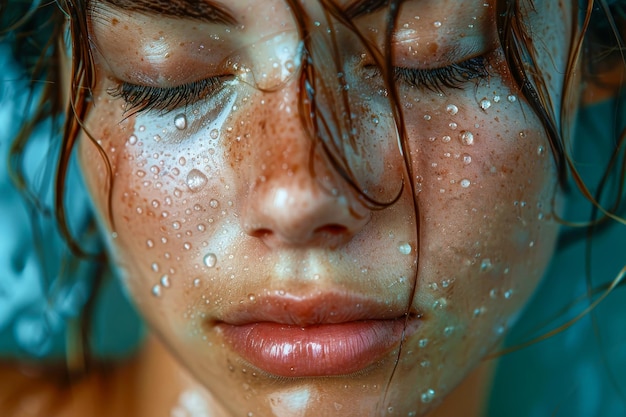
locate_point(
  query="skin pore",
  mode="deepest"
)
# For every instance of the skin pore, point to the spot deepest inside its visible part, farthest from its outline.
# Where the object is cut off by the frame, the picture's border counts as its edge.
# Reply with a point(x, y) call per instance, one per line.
point(225, 214)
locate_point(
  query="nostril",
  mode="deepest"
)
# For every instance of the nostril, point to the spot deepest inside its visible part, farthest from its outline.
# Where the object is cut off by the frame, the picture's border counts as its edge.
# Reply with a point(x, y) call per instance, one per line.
point(261, 233)
point(332, 229)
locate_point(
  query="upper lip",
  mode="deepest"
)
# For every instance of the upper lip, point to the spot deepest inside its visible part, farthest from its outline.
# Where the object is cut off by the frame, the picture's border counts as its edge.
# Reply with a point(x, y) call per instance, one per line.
point(323, 308)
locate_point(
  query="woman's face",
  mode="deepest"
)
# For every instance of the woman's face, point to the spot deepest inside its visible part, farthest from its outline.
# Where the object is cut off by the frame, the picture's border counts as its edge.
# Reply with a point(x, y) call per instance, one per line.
point(271, 279)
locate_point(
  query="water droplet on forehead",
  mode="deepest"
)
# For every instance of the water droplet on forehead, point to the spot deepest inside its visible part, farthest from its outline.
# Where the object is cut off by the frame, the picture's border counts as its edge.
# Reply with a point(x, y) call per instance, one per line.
point(210, 260)
point(196, 180)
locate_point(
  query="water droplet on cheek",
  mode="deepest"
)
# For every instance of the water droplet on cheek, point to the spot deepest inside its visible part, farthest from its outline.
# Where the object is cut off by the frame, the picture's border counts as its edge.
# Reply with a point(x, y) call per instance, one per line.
point(156, 290)
point(132, 140)
point(452, 109)
point(214, 134)
point(405, 248)
point(427, 396)
point(465, 183)
point(210, 260)
point(486, 265)
point(196, 180)
point(485, 104)
point(180, 121)
point(214, 203)
point(467, 138)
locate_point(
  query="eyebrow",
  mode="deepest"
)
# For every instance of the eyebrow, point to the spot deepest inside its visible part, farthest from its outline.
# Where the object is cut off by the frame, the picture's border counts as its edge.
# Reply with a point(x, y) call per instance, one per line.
point(194, 9)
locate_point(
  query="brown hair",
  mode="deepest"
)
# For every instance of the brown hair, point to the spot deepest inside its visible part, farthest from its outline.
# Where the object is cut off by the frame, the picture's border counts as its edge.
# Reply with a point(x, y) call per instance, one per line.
point(598, 19)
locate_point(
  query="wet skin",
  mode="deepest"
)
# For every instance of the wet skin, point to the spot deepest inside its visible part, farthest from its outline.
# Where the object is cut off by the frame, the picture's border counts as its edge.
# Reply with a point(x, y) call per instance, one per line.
point(253, 268)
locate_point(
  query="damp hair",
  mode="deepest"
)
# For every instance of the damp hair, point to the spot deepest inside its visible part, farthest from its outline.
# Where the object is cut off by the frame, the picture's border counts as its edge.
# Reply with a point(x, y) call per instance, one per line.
point(40, 30)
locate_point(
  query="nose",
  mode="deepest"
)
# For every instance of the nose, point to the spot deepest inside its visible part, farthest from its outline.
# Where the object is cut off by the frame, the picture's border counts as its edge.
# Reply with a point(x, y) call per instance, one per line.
point(295, 210)
point(291, 201)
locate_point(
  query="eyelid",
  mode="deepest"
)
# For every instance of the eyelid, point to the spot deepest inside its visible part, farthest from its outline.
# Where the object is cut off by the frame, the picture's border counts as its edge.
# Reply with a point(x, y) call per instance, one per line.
point(140, 98)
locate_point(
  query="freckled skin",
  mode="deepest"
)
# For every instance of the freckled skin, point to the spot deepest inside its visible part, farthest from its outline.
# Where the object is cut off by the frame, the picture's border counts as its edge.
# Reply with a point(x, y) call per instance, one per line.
point(478, 247)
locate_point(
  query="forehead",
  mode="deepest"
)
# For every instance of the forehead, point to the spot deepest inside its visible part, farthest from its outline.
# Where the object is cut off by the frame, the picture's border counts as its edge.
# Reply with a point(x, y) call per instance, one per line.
point(240, 11)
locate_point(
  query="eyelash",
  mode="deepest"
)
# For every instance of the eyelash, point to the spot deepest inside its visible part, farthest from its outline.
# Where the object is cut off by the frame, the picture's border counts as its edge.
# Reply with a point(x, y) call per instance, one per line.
point(452, 76)
point(140, 98)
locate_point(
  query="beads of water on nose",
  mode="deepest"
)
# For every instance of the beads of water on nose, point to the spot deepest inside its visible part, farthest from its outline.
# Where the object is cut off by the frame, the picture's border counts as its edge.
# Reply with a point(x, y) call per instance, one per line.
point(210, 260)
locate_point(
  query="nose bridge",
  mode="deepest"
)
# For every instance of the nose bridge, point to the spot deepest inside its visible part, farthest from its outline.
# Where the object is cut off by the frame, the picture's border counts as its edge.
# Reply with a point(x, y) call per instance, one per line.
point(274, 60)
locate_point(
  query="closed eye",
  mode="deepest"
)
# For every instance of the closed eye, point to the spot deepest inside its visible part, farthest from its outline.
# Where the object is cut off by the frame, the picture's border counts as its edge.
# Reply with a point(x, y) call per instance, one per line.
point(448, 77)
point(141, 98)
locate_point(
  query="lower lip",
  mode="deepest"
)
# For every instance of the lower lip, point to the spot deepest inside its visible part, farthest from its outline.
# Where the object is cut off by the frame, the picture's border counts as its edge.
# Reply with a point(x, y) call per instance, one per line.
point(317, 350)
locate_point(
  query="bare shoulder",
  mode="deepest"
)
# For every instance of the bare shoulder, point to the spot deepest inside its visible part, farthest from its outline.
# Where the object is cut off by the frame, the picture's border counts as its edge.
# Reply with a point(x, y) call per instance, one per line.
point(30, 392)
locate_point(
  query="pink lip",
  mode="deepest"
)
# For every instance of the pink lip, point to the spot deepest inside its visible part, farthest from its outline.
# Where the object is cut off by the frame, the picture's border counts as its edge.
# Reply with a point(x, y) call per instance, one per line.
point(310, 337)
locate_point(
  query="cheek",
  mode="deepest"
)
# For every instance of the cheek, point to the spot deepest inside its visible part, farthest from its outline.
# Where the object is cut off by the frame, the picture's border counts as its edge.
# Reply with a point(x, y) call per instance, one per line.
point(485, 182)
point(167, 194)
